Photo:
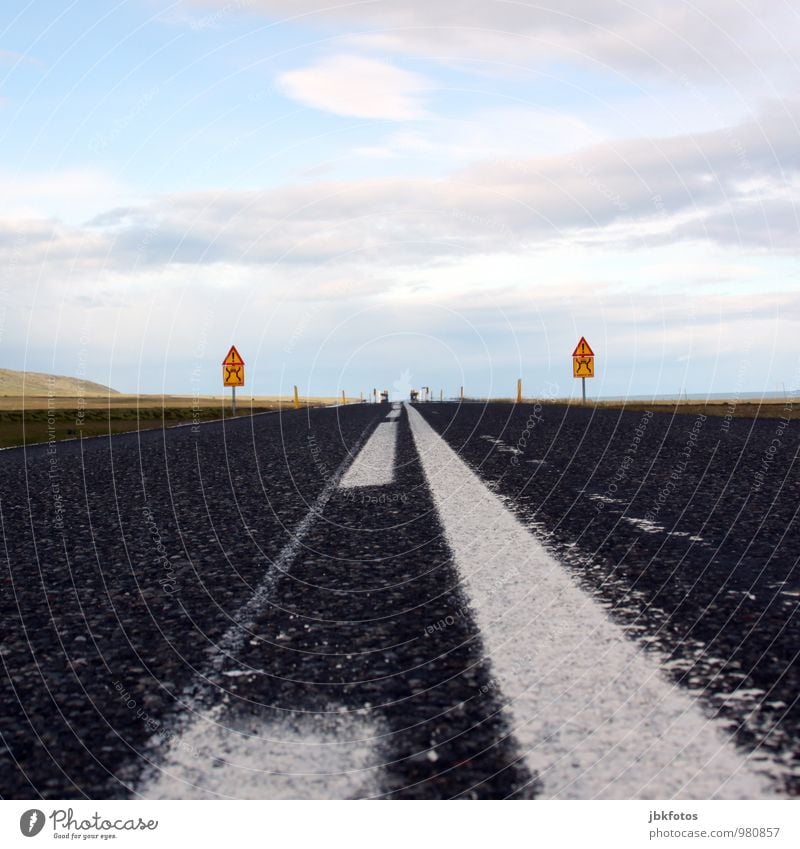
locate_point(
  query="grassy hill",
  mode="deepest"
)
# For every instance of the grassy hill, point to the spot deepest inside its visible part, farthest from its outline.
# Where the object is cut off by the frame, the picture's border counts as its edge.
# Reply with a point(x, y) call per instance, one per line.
point(31, 383)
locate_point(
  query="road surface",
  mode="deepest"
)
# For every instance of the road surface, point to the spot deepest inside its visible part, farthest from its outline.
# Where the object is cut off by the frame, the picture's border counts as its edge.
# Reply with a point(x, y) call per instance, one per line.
point(411, 602)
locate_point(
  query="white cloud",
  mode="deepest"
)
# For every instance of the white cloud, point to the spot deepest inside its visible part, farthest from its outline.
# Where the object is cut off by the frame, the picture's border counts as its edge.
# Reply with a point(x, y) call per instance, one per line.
point(505, 131)
point(357, 87)
point(560, 235)
point(700, 38)
point(71, 195)
point(618, 193)
point(340, 308)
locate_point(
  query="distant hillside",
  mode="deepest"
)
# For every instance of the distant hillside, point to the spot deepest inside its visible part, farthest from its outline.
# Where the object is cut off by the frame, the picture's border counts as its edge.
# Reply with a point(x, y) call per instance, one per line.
point(35, 383)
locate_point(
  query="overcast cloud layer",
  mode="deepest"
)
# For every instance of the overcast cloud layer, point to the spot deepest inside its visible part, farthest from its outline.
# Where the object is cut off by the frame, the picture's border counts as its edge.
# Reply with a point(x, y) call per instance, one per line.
point(672, 37)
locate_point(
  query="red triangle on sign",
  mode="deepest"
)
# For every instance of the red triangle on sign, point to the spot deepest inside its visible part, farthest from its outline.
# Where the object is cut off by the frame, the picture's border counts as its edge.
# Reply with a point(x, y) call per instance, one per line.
point(582, 349)
point(234, 358)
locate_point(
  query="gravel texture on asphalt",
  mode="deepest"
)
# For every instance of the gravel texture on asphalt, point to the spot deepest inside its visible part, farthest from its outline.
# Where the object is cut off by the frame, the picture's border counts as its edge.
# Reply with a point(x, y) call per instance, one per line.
point(685, 528)
point(369, 624)
point(128, 563)
point(125, 559)
point(220, 574)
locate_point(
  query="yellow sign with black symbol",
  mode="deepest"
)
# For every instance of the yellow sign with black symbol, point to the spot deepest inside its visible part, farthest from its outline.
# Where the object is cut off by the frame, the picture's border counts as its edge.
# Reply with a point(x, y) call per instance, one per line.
point(583, 366)
point(233, 375)
point(233, 368)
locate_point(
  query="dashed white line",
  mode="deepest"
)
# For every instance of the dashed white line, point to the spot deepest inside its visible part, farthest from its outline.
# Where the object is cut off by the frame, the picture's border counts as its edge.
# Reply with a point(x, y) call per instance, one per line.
point(374, 465)
point(193, 714)
point(312, 756)
point(593, 713)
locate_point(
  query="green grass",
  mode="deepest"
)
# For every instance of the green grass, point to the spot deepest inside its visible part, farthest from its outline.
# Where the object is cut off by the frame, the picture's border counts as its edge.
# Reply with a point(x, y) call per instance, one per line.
point(32, 426)
point(770, 409)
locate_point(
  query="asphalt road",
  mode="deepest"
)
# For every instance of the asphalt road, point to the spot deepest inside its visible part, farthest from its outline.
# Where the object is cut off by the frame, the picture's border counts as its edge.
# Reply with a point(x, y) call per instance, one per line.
point(163, 537)
point(328, 603)
point(685, 529)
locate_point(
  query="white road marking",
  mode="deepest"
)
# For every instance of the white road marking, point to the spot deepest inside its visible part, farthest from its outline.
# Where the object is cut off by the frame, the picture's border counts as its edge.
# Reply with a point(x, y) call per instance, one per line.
point(193, 710)
point(374, 465)
point(314, 756)
point(393, 414)
point(593, 713)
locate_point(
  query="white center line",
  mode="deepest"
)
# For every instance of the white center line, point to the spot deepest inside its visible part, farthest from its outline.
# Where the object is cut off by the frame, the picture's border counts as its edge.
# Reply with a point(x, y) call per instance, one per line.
point(198, 707)
point(305, 756)
point(374, 465)
point(593, 713)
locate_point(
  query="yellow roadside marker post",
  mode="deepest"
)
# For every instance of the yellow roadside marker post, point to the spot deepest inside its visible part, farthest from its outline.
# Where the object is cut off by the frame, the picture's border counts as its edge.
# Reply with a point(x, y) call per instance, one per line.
point(343, 401)
point(519, 390)
point(296, 399)
point(462, 393)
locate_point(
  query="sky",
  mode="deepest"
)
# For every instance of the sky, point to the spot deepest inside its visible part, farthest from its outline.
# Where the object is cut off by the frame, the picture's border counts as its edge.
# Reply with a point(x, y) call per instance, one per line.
point(397, 193)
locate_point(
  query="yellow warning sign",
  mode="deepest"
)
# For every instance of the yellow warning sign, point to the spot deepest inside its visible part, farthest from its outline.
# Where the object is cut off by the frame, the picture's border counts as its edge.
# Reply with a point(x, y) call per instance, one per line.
point(583, 366)
point(583, 349)
point(233, 368)
point(233, 358)
point(233, 375)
